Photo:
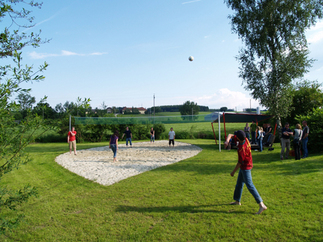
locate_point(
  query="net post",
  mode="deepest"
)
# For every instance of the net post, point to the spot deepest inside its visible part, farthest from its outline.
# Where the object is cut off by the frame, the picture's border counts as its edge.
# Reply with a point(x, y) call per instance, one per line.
point(70, 123)
point(219, 117)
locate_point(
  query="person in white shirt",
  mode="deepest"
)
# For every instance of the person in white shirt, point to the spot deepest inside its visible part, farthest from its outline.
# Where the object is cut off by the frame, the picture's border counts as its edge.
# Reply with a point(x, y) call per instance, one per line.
point(171, 137)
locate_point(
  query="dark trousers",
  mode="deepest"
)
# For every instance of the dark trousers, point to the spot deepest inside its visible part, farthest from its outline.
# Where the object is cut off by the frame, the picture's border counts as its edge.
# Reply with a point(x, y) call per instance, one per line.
point(297, 149)
point(253, 136)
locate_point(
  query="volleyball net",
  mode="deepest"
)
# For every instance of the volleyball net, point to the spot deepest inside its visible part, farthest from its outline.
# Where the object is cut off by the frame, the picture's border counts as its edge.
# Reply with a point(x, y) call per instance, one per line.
point(145, 120)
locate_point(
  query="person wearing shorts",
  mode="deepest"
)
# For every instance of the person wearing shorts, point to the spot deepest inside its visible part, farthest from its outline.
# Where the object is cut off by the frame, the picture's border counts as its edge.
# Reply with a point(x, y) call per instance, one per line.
point(171, 137)
point(71, 139)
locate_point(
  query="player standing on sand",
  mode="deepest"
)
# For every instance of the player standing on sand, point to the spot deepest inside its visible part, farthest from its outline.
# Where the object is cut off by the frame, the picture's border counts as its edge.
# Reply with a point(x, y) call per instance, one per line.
point(171, 137)
point(245, 165)
point(113, 144)
point(152, 135)
point(128, 136)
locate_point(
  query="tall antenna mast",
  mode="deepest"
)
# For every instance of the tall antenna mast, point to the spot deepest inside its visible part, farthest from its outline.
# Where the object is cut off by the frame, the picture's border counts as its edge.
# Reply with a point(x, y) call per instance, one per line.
point(154, 108)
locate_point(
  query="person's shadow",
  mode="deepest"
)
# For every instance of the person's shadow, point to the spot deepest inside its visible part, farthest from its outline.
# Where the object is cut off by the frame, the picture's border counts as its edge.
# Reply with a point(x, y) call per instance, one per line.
point(181, 209)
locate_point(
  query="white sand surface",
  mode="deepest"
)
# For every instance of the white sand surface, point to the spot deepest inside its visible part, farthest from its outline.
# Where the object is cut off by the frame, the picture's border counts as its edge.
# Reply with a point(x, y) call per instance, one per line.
point(97, 164)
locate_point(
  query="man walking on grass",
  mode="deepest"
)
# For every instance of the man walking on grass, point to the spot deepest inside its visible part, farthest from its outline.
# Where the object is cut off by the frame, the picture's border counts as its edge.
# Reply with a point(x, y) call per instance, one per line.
point(244, 165)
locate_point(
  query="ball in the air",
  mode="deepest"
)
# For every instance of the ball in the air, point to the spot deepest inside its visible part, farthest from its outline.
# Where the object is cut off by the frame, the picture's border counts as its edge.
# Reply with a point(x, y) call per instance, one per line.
point(191, 58)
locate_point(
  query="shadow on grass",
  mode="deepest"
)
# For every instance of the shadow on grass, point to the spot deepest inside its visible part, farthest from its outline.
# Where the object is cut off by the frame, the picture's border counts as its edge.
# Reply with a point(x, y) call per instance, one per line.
point(210, 147)
point(179, 209)
point(199, 168)
point(39, 148)
point(59, 147)
point(289, 166)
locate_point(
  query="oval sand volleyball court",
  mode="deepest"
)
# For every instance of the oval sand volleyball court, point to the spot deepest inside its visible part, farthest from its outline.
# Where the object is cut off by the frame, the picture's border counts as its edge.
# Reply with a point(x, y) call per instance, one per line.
point(96, 164)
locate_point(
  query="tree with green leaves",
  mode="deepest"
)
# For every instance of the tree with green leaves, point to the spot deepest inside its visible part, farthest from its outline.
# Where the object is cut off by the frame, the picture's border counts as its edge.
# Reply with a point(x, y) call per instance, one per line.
point(223, 109)
point(44, 110)
point(314, 121)
point(189, 108)
point(25, 100)
point(14, 136)
point(275, 52)
point(307, 96)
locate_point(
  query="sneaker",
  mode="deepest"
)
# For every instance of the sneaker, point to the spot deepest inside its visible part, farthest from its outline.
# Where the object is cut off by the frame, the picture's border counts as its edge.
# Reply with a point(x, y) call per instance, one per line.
point(256, 150)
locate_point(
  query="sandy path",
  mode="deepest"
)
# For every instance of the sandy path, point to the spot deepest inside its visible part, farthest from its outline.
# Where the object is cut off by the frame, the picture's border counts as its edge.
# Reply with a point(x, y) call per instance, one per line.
point(96, 164)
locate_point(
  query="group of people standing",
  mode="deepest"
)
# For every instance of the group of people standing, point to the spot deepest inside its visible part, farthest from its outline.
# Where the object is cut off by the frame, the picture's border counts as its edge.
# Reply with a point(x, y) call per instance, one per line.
point(300, 139)
point(113, 142)
point(259, 135)
point(263, 136)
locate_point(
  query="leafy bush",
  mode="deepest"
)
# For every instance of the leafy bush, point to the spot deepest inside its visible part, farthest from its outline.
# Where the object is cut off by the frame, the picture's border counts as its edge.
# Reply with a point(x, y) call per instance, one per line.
point(163, 136)
point(204, 135)
point(159, 130)
point(140, 131)
point(183, 135)
point(314, 122)
point(51, 138)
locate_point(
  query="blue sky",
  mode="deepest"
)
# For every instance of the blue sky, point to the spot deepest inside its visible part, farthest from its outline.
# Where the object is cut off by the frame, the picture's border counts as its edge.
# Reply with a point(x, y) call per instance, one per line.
point(122, 52)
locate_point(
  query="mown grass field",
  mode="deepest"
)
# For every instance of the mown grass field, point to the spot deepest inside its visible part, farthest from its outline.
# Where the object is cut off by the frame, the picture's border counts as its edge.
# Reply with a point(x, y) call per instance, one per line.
point(205, 127)
point(193, 128)
point(186, 201)
point(158, 114)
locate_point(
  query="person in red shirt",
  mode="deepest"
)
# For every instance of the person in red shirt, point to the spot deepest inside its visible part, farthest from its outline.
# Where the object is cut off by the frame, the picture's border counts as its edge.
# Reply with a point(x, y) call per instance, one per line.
point(71, 139)
point(245, 165)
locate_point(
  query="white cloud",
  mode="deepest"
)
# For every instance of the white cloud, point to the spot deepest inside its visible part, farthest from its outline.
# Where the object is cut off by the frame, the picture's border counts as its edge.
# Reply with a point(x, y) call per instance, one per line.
point(226, 98)
point(317, 26)
point(319, 69)
point(221, 98)
point(99, 53)
point(48, 19)
point(35, 55)
point(316, 37)
point(191, 1)
point(68, 53)
point(315, 34)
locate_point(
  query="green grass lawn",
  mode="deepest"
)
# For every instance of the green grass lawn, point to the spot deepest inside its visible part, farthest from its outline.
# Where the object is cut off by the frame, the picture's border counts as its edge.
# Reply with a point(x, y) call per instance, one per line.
point(159, 114)
point(186, 201)
point(205, 127)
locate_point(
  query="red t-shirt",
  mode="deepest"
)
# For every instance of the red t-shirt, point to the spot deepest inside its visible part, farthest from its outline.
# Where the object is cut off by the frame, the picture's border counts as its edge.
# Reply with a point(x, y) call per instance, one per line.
point(244, 155)
point(72, 138)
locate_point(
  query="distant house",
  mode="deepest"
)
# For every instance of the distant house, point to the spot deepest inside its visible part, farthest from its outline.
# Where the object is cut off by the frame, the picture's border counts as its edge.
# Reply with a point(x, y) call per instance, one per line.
point(109, 110)
point(141, 110)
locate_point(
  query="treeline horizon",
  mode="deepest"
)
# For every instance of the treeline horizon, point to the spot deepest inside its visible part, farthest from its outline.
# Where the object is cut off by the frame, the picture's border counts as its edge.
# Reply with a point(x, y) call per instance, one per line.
point(82, 108)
